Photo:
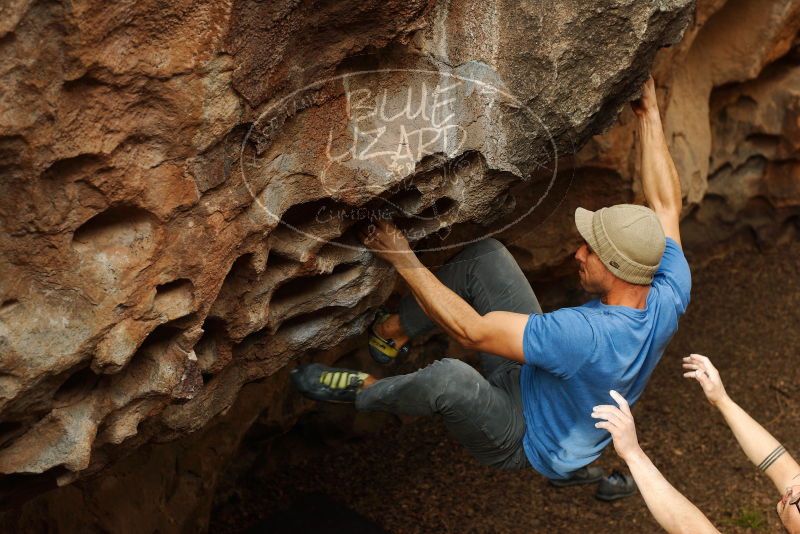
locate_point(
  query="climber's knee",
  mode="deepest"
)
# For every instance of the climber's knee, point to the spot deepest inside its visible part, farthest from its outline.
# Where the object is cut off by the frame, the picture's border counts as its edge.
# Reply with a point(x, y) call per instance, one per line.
point(483, 247)
point(456, 385)
point(490, 257)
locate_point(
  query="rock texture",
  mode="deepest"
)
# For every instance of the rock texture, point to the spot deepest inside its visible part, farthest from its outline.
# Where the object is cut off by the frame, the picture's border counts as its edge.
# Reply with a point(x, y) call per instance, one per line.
point(730, 102)
point(143, 285)
point(180, 184)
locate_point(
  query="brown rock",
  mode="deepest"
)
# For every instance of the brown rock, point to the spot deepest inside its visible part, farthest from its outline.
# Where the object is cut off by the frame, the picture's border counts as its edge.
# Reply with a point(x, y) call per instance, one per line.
point(181, 184)
point(145, 277)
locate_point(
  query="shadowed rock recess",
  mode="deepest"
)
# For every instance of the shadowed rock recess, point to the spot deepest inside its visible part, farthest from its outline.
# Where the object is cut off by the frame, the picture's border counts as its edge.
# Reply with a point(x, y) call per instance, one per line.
point(180, 183)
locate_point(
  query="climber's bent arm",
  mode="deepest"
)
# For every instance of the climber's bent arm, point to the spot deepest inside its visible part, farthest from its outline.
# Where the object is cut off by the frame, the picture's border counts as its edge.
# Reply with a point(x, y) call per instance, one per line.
point(496, 332)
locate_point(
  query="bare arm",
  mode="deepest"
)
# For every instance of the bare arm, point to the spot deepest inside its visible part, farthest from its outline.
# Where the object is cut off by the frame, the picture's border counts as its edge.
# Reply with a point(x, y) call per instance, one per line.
point(674, 512)
point(756, 442)
point(660, 181)
point(496, 332)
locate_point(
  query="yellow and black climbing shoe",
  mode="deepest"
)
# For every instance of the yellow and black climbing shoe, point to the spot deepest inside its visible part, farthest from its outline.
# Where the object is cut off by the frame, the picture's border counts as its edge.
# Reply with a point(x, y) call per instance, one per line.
point(327, 384)
point(383, 350)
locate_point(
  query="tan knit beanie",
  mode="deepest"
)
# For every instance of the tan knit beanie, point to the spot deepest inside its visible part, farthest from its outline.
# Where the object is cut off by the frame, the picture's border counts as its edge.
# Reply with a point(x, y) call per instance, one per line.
point(628, 239)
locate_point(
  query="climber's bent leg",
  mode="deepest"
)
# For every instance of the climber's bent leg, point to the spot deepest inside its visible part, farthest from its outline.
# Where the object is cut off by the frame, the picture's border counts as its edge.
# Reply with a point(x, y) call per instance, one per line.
point(484, 416)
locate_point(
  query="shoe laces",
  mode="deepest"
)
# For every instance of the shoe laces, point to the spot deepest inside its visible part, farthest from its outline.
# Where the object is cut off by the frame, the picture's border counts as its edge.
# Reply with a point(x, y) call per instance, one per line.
point(342, 379)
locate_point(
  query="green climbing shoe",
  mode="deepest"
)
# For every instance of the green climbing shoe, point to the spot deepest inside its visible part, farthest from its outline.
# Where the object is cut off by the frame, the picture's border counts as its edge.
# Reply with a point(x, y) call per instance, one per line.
point(327, 384)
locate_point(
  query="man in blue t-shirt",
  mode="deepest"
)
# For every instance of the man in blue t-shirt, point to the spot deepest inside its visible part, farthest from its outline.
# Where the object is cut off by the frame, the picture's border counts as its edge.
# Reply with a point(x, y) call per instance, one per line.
point(542, 372)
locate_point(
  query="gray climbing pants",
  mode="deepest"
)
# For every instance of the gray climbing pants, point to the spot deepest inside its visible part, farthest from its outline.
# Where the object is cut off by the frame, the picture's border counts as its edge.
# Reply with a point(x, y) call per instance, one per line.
point(482, 411)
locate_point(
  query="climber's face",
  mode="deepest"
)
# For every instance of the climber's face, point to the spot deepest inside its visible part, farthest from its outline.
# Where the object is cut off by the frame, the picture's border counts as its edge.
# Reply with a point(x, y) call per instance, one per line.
point(595, 277)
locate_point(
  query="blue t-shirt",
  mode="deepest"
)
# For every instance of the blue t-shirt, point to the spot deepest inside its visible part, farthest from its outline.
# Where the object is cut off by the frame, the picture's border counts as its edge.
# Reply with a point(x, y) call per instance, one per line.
point(574, 356)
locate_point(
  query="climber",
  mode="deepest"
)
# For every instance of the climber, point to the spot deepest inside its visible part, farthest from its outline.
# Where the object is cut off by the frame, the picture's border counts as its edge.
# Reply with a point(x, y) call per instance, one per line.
point(542, 372)
point(671, 509)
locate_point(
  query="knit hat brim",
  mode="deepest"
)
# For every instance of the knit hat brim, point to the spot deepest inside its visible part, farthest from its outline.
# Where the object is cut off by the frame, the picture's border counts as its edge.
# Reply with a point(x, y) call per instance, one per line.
point(583, 221)
point(590, 226)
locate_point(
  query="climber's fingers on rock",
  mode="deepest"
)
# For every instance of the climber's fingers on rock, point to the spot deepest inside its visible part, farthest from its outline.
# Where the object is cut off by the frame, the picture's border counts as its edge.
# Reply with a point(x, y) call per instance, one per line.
point(647, 100)
point(380, 230)
point(649, 92)
point(386, 226)
point(366, 234)
point(374, 236)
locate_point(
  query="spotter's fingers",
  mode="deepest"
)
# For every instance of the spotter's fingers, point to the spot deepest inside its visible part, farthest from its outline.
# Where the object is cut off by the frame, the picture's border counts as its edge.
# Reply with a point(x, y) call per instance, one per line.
point(613, 415)
point(623, 404)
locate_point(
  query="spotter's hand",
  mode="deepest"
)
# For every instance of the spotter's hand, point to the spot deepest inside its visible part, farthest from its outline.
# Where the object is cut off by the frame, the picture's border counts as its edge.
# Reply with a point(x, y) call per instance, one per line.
point(618, 420)
point(700, 368)
point(387, 241)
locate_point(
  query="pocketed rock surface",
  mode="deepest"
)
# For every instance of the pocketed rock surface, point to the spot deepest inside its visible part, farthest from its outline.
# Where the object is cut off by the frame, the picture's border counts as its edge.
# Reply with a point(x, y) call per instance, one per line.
point(178, 182)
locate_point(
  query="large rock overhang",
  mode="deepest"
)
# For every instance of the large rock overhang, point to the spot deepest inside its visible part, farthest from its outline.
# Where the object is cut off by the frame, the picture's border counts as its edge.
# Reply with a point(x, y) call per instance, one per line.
point(180, 188)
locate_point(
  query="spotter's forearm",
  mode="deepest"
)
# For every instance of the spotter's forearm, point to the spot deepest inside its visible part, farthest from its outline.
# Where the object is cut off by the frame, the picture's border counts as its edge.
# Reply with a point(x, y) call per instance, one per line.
point(674, 512)
point(758, 444)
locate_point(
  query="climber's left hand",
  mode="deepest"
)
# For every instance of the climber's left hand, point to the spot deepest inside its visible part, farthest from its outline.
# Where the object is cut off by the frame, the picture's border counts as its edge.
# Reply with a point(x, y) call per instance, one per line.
point(647, 103)
point(386, 241)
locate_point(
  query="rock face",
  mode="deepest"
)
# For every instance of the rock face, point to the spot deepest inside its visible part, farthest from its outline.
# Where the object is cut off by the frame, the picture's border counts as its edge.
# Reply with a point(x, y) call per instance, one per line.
point(180, 185)
point(730, 103)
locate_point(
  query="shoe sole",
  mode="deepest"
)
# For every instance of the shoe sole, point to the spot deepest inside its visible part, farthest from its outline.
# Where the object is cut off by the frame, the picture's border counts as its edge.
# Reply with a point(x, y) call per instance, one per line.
point(319, 398)
point(568, 483)
point(610, 498)
point(314, 397)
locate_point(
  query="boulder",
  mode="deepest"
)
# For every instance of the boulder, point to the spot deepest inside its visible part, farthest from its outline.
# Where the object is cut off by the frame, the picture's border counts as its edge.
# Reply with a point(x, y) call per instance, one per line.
point(182, 184)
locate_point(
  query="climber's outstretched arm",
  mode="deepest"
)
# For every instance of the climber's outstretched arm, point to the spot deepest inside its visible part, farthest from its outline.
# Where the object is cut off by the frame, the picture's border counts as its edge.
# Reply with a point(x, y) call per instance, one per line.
point(660, 181)
point(496, 332)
